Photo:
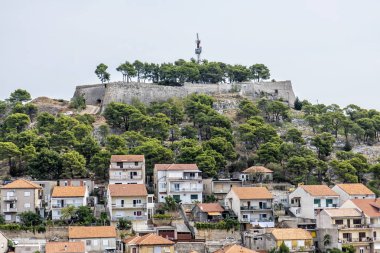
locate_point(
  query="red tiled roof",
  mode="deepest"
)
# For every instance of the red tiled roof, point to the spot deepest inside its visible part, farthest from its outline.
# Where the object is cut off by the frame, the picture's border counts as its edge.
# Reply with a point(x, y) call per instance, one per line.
point(319, 190)
point(79, 232)
point(127, 158)
point(21, 184)
point(69, 191)
point(257, 169)
point(127, 190)
point(176, 166)
point(210, 207)
point(370, 207)
point(234, 248)
point(355, 189)
point(148, 239)
point(252, 193)
point(68, 247)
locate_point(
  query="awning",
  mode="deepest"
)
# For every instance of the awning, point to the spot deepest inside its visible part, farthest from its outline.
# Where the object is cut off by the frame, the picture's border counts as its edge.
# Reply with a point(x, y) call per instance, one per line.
point(214, 213)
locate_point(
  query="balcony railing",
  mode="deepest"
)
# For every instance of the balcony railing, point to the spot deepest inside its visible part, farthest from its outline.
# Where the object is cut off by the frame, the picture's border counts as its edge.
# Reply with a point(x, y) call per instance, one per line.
point(185, 178)
point(253, 208)
point(10, 210)
point(186, 189)
point(65, 205)
point(362, 239)
point(141, 217)
point(10, 198)
point(325, 206)
point(375, 225)
point(143, 205)
point(125, 177)
point(352, 226)
point(255, 220)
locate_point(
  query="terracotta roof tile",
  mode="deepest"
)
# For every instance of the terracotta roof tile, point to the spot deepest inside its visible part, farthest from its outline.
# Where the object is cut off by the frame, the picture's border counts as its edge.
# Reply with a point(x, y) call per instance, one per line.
point(343, 212)
point(252, 193)
point(21, 184)
point(176, 166)
point(148, 239)
point(257, 169)
point(210, 207)
point(234, 248)
point(69, 191)
point(127, 158)
point(291, 234)
point(68, 247)
point(78, 232)
point(370, 207)
point(355, 189)
point(127, 190)
point(319, 190)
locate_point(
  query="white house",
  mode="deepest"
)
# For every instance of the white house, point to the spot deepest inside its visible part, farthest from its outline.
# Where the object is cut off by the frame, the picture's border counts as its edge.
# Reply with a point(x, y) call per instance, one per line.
point(353, 191)
point(252, 205)
point(308, 200)
point(181, 181)
point(95, 238)
point(127, 169)
point(64, 196)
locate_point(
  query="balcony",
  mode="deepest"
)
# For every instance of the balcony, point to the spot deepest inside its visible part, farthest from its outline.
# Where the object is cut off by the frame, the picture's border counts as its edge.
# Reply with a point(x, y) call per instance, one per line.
point(352, 226)
point(254, 208)
point(316, 206)
point(187, 189)
point(375, 225)
point(10, 210)
point(259, 222)
point(142, 217)
point(122, 206)
point(10, 198)
point(63, 206)
point(125, 177)
point(184, 178)
point(353, 240)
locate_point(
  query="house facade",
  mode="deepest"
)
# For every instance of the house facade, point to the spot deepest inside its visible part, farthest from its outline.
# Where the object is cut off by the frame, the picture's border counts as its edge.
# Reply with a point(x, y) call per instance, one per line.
point(95, 239)
point(370, 208)
point(206, 212)
point(127, 169)
point(20, 196)
point(252, 205)
point(149, 243)
point(308, 200)
point(183, 182)
point(353, 191)
point(130, 201)
point(64, 196)
point(219, 187)
point(256, 174)
point(344, 226)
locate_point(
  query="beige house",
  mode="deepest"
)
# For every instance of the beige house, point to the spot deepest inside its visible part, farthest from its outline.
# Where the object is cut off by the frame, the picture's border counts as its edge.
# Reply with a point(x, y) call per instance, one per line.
point(219, 187)
point(67, 247)
point(96, 239)
point(20, 196)
point(256, 174)
point(296, 239)
point(252, 205)
point(127, 169)
point(149, 243)
point(353, 191)
point(308, 200)
point(370, 209)
point(130, 201)
point(64, 196)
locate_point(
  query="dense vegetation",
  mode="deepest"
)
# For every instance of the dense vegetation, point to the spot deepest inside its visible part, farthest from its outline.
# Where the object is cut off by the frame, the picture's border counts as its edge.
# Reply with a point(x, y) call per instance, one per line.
point(190, 130)
point(185, 71)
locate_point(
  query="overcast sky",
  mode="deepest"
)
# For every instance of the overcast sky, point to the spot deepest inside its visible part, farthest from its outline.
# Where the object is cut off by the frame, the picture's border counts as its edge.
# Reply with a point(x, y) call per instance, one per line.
point(330, 50)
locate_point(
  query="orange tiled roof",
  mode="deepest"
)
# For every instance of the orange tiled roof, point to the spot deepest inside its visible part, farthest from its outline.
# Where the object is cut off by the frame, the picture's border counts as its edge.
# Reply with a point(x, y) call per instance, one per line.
point(68, 247)
point(257, 169)
point(148, 239)
point(291, 234)
point(79, 232)
point(176, 166)
point(210, 207)
point(68, 191)
point(234, 248)
point(127, 158)
point(370, 207)
point(355, 189)
point(319, 190)
point(252, 193)
point(127, 190)
point(21, 184)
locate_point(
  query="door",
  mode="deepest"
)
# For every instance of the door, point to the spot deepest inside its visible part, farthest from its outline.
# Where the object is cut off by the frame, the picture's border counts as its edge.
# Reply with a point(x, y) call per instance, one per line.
point(348, 223)
point(361, 236)
point(176, 187)
point(122, 203)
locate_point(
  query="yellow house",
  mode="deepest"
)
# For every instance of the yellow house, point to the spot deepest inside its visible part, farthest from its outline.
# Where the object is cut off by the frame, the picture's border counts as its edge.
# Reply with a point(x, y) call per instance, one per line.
point(149, 243)
point(296, 239)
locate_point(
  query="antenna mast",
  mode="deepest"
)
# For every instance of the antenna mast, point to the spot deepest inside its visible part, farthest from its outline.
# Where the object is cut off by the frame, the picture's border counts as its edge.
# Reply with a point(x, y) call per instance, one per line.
point(198, 49)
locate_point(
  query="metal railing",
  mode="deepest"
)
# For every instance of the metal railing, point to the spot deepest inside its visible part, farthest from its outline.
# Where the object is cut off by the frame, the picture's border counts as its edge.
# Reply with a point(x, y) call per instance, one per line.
point(142, 205)
point(125, 177)
point(255, 208)
point(10, 198)
point(362, 239)
point(141, 217)
point(9, 210)
point(186, 189)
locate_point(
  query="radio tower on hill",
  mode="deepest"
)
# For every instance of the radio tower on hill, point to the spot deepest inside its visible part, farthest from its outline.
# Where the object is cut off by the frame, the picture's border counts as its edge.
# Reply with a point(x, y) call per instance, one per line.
point(198, 49)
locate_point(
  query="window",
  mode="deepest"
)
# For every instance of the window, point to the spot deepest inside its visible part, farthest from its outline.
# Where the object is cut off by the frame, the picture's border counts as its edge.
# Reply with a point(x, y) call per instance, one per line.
point(137, 213)
point(317, 202)
point(95, 242)
point(136, 163)
point(119, 164)
point(339, 222)
point(27, 205)
point(88, 242)
point(357, 221)
point(177, 198)
point(26, 194)
point(361, 250)
point(194, 196)
point(105, 242)
point(8, 217)
point(329, 202)
point(300, 243)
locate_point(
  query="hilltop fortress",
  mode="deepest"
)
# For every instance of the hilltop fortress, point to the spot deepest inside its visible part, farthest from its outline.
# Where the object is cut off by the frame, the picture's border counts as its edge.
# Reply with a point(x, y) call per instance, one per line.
point(103, 94)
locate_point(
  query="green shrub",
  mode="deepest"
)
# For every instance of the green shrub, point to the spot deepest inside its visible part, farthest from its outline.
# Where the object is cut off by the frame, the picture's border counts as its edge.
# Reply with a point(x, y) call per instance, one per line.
point(224, 224)
point(162, 216)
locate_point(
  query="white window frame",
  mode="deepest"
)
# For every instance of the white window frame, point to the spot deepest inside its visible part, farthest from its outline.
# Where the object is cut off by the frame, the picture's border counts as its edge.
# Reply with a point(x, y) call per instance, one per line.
point(27, 194)
point(27, 205)
point(105, 242)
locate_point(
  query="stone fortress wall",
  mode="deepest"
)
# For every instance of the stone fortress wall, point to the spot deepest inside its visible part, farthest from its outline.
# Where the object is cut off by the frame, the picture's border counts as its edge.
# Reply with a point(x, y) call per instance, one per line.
point(103, 94)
